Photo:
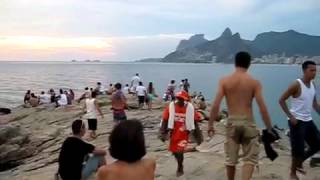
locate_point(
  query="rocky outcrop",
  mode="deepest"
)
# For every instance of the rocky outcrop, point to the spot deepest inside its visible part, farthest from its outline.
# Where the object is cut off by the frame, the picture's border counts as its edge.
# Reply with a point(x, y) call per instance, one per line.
point(193, 41)
point(221, 49)
point(35, 136)
point(14, 146)
point(290, 43)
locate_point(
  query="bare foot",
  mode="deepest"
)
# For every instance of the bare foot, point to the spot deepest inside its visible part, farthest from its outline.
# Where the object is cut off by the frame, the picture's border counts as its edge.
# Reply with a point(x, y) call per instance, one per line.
point(179, 173)
point(93, 136)
point(301, 171)
point(294, 177)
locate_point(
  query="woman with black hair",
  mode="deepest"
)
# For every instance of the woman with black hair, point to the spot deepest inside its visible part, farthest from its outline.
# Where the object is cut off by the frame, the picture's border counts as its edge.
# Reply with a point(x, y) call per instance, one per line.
point(151, 95)
point(127, 145)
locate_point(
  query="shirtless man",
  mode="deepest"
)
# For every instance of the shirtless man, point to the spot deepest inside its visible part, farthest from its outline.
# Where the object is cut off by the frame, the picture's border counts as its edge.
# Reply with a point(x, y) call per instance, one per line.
point(119, 104)
point(240, 89)
point(302, 128)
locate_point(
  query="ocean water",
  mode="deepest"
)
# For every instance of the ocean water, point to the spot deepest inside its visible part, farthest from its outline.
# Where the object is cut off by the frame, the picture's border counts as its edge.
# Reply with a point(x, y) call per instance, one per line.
point(17, 77)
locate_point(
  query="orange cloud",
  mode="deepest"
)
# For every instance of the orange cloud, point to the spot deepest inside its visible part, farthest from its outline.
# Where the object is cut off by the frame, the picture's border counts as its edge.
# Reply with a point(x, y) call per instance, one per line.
point(19, 47)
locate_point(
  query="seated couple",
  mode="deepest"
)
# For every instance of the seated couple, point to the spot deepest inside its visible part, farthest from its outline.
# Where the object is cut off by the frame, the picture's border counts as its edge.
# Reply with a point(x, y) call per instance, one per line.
point(78, 160)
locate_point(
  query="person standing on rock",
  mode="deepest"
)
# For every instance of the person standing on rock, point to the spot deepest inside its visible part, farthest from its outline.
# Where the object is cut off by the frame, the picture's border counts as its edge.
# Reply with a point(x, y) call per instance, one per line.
point(169, 94)
point(240, 89)
point(142, 94)
point(151, 95)
point(179, 118)
point(135, 80)
point(73, 153)
point(91, 106)
point(186, 85)
point(181, 85)
point(127, 145)
point(119, 104)
point(302, 127)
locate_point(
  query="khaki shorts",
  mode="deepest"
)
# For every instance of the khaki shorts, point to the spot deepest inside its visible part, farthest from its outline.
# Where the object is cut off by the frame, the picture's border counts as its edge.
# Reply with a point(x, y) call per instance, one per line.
point(241, 132)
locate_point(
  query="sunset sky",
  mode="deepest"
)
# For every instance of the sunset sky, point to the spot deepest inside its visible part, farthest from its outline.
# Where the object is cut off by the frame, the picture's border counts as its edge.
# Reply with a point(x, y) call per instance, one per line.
point(124, 30)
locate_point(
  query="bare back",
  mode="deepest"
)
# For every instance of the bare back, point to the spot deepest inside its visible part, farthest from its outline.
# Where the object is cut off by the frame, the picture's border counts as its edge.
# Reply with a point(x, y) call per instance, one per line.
point(142, 170)
point(239, 89)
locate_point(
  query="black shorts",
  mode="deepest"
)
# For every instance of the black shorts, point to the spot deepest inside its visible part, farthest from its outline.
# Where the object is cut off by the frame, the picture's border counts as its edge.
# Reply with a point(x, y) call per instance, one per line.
point(92, 124)
point(299, 134)
point(141, 99)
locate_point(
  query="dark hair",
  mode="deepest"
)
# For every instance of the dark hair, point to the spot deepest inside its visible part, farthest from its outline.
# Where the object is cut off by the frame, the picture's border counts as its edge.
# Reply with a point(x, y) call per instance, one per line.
point(150, 88)
point(306, 64)
point(28, 92)
point(172, 81)
point(186, 79)
point(127, 84)
point(110, 84)
point(243, 60)
point(32, 95)
point(61, 91)
point(77, 125)
point(86, 88)
point(117, 86)
point(98, 83)
point(42, 92)
point(93, 94)
point(182, 80)
point(140, 83)
point(127, 141)
point(137, 74)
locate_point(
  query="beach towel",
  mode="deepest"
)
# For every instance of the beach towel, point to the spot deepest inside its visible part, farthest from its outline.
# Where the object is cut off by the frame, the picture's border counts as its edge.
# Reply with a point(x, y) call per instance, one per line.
point(189, 116)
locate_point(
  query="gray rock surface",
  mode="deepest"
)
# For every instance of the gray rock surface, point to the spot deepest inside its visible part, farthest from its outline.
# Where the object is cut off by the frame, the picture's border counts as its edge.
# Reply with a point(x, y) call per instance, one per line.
point(36, 135)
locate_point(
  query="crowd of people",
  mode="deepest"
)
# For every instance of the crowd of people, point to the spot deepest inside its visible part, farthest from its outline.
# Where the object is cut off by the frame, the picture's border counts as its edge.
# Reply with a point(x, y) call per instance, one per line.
point(65, 97)
point(181, 116)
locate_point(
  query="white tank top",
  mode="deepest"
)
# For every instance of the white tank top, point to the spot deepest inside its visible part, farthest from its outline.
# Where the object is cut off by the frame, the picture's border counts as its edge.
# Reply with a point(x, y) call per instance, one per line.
point(301, 107)
point(91, 109)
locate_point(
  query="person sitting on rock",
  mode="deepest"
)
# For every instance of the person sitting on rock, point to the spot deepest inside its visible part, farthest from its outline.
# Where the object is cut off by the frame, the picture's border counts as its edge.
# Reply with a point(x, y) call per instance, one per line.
point(74, 151)
point(179, 118)
point(127, 145)
point(62, 99)
point(44, 98)
point(34, 100)
point(27, 97)
point(110, 90)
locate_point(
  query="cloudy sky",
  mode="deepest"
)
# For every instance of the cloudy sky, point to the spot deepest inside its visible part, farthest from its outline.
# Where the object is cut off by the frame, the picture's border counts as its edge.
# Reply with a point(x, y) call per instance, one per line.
point(123, 30)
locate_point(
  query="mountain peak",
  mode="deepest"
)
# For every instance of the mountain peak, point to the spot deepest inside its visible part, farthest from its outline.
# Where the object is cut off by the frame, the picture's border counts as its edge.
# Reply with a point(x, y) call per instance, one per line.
point(227, 33)
point(236, 35)
point(291, 31)
point(192, 42)
point(197, 36)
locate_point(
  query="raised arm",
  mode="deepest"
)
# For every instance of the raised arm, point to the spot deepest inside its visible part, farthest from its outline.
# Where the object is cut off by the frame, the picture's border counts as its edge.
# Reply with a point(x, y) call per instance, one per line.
point(215, 106)
point(262, 106)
